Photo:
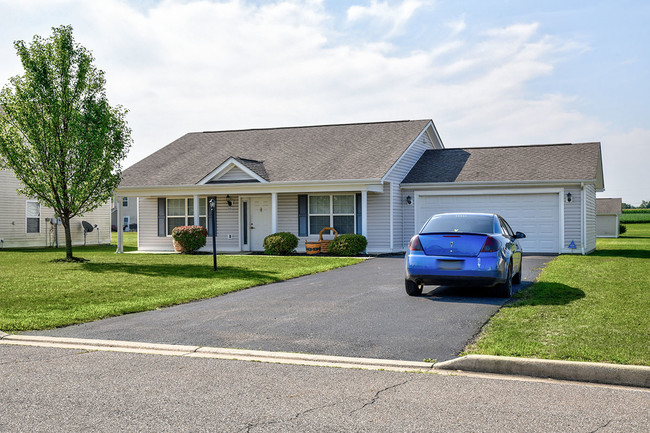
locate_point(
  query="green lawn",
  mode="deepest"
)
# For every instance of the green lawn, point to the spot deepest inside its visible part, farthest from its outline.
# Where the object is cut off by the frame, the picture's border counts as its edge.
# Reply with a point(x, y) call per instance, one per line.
point(583, 308)
point(130, 239)
point(38, 294)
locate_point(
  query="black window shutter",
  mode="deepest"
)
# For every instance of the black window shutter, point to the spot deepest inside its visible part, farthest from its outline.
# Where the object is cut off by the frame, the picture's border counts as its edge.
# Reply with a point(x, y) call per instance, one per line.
point(358, 200)
point(302, 215)
point(210, 215)
point(162, 216)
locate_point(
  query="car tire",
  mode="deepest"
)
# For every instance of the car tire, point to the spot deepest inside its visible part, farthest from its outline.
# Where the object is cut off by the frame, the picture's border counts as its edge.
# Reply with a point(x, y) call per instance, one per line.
point(505, 289)
point(413, 289)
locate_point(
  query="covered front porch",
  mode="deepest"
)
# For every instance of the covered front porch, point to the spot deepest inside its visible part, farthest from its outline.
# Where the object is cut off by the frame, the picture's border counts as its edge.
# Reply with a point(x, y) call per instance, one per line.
point(245, 215)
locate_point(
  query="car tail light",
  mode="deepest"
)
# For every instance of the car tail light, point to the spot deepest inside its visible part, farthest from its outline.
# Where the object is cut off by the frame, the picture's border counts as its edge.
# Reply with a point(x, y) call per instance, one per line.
point(491, 245)
point(414, 244)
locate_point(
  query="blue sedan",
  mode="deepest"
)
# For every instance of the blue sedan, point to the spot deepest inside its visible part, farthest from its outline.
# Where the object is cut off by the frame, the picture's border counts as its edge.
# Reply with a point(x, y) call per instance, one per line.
point(464, 249)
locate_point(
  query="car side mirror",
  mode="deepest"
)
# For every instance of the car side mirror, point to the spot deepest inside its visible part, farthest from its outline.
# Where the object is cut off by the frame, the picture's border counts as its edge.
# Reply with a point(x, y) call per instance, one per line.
point(519, 235)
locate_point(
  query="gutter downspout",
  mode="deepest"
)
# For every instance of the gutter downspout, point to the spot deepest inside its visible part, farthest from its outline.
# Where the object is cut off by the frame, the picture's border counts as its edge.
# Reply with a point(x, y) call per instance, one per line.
point(583, 204)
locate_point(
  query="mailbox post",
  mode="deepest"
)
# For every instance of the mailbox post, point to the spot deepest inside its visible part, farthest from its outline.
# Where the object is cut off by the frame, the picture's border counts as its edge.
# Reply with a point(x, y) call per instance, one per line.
point(213, 212)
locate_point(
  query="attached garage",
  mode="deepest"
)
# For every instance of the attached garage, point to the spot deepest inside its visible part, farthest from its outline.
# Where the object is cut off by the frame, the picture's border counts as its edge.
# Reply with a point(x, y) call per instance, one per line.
point(546, 191)
point(536, 214)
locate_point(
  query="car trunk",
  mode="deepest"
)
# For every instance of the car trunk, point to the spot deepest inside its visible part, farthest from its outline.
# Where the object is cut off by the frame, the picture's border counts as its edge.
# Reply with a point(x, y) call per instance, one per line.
point(452, 245)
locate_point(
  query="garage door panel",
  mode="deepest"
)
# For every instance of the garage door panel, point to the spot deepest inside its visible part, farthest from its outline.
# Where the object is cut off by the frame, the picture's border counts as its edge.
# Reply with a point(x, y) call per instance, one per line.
point(537, 215)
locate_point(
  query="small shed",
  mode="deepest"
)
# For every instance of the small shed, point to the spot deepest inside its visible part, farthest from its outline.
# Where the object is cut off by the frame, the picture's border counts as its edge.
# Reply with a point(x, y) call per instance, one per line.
point(608, 212)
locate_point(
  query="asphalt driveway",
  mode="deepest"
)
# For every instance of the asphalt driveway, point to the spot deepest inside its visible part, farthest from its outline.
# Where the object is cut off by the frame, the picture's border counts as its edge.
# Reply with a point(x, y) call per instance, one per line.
point(360, 310)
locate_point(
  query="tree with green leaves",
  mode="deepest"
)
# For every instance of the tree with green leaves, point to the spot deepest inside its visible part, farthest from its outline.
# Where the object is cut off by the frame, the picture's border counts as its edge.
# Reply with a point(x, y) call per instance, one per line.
point(58, 133)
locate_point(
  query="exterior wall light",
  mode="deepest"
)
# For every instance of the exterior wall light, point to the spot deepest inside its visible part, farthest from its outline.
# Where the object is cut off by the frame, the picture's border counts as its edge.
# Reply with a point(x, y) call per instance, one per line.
point(568, 197)
point(228, 200)
point(409, 200)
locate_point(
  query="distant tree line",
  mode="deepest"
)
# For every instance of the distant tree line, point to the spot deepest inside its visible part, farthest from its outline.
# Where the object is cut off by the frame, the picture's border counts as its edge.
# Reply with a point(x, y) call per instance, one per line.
point(644, 205)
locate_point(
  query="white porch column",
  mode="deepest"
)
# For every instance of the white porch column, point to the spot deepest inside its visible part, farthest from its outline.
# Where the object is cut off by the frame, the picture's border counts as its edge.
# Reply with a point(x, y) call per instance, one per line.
point(120, 244)
point(196, 210)
point(274, 212)
point(364, 213)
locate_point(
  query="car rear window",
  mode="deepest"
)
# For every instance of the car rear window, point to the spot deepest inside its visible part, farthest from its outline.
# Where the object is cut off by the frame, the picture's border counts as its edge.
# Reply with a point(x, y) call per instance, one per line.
point(461, 223)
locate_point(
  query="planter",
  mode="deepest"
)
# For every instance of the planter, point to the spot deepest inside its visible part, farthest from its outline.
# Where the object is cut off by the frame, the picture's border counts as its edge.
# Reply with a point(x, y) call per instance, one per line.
point(177, 247)
point(312, 247)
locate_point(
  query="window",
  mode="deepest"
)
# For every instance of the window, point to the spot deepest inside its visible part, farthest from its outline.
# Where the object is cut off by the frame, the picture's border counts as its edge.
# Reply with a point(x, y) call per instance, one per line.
point(180, 212)
point(336, 211)
point(125, 201)
point(32, 217)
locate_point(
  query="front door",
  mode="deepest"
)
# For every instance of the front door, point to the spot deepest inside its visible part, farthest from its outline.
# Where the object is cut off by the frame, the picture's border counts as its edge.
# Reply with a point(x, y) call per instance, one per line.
point(259, 221)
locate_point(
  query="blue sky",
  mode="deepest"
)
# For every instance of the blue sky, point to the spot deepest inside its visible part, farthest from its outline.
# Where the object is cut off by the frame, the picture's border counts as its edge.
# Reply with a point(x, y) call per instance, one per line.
point(487, 72)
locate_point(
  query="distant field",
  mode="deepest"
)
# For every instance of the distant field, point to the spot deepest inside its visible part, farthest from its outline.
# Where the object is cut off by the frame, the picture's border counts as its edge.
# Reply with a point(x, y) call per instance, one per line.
point(632, 216)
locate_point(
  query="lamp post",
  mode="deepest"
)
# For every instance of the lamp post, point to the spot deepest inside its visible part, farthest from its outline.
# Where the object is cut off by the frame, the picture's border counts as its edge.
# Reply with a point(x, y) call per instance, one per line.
point(213, 211)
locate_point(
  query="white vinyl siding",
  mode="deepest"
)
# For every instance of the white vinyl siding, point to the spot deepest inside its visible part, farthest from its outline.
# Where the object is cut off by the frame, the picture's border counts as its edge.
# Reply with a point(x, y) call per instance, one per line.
point(590, 228)
point(572, 219)
point(13, 221)
point(227, 225)
point(148, 239)
point(607, 226)
point(233, 175)
point(379, 221)
point(408, 217)
point(401, 213)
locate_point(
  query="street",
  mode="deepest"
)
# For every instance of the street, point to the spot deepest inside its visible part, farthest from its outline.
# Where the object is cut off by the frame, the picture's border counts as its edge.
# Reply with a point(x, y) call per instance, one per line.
point(47, 389)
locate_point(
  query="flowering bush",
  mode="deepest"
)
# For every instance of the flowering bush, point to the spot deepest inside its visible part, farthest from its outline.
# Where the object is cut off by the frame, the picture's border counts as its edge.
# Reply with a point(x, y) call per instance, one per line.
point(189, 238)
point(348, 245)
point(280, 244)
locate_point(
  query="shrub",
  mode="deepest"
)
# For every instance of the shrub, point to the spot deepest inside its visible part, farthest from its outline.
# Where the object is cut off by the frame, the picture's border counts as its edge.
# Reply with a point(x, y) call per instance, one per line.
point(190, 238)
point(621, 229)
point(348, 245)
point(280, 244)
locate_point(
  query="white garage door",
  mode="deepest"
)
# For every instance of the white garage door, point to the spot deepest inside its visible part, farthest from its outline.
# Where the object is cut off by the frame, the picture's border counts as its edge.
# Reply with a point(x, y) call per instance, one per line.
point(537, 215)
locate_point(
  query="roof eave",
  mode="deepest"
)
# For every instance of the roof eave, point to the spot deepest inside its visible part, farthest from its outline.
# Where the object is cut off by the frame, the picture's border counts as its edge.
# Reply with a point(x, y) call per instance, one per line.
point(513, 183)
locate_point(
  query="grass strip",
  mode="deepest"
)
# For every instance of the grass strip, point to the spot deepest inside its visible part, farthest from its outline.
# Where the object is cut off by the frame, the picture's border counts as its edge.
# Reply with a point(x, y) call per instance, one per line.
point(583, 308)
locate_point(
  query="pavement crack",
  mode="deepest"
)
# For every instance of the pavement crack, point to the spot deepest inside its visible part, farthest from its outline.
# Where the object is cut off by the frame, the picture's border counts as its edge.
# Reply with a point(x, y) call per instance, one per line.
point(602, 426)
point(250, 426)
point(374, 399)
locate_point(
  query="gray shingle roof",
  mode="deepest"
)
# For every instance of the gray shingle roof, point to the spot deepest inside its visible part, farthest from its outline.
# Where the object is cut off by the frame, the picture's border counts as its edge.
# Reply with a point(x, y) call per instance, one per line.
point(329, 152)
point(609, 206)
point(513, 163)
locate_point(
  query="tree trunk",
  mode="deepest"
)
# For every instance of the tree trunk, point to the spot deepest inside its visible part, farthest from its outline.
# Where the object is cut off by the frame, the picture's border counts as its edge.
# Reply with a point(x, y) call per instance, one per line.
point(65, 220)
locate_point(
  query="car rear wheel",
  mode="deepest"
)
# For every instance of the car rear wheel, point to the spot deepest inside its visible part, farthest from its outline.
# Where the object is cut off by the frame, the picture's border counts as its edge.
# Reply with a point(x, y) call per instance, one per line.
point(413, 289)
point(505, 289)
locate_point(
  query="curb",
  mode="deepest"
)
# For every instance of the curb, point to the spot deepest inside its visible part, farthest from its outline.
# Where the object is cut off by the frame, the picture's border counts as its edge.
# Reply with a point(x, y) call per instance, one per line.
point(594, 372)
point(217, 353)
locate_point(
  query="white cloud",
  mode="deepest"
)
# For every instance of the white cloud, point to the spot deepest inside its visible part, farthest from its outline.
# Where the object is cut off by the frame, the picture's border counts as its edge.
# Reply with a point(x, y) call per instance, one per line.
point(625, 162)
point(393, 16)
point(190, 66)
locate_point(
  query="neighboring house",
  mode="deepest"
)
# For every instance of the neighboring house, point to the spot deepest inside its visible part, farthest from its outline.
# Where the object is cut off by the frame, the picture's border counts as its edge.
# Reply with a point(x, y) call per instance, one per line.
point(129, 214)
point(608, 212)
point(26, 223)
point(382, 180)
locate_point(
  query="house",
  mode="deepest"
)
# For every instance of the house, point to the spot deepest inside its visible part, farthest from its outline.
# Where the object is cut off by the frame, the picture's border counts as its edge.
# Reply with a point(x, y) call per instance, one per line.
point(26, 223)
point(382, 180)
point(129, 214)
point(608, 212)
